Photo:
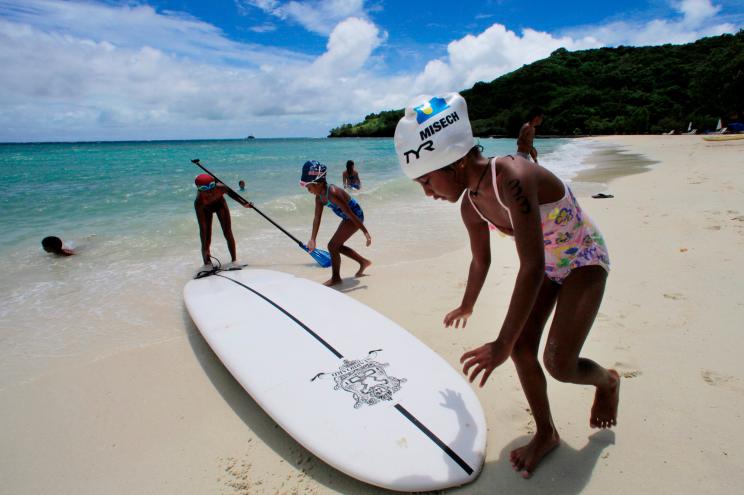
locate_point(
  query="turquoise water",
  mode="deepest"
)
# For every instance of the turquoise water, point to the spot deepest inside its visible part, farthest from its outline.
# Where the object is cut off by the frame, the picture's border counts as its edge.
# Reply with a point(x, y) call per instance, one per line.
point(128, 210)
point(108, 188)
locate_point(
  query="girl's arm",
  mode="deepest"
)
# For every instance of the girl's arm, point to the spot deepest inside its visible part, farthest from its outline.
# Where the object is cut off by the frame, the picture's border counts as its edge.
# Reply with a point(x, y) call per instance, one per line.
point(316, 219)
point(519, 192)
point(234, 195)
point(518, 189)
point(346, 179)
point(480, 247)
point(316, 224)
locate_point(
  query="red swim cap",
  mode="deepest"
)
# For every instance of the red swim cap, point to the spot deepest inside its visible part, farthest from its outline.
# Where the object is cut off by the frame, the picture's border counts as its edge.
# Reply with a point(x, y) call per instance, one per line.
point(203, 180)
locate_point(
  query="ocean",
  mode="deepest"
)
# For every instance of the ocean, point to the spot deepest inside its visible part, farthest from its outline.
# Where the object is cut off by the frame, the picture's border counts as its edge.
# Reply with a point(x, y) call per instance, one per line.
point(127, 209)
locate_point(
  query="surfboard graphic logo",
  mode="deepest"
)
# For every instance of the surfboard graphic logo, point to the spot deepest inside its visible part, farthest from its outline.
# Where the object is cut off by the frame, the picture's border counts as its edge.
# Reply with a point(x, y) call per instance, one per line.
point(366, 379)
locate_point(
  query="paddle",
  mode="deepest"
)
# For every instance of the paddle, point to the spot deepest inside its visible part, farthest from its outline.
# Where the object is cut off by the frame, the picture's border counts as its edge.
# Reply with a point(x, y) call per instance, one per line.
point(322, 257)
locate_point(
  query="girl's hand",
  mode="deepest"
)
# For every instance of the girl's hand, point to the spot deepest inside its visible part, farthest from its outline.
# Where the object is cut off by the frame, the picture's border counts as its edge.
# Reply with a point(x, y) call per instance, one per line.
point(311, 245)
point(457, 315)
point(248, 204)
point(485, 358)
point(369, 238)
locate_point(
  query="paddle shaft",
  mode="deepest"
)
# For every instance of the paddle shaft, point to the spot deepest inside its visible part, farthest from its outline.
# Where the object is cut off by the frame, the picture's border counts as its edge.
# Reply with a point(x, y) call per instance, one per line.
point(245, 201)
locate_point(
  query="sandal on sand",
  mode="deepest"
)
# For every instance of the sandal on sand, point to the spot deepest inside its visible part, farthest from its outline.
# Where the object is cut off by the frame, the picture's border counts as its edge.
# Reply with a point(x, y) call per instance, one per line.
point(602, 195)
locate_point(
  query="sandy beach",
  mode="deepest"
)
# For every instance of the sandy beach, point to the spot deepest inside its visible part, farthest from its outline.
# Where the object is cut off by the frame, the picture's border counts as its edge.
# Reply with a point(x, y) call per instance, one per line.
point(168, 418)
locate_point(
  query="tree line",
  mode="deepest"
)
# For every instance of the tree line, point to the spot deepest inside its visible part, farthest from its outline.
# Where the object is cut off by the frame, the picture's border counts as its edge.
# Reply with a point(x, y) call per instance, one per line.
point(622, 90)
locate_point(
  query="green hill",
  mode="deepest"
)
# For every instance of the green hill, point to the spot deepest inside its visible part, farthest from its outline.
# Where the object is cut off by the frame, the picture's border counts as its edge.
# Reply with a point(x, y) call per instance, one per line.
point(623, 90)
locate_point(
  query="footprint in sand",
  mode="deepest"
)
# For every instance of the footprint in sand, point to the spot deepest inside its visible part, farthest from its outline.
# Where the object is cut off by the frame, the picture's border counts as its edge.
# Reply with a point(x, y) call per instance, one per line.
point(237, 477)
point(720, 380)
point(627, 371)
point(631, 374)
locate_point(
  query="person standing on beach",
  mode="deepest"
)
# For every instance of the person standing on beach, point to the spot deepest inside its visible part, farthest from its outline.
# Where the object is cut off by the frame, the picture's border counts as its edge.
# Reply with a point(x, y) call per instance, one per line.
point(526, 139)
point(210, 200)
point(563, 262)
point(351, 177)
point(345, 207)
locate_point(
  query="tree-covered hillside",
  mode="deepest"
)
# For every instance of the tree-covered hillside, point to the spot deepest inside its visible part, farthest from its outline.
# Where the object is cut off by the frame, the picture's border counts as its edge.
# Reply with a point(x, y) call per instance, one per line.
point(623, 90)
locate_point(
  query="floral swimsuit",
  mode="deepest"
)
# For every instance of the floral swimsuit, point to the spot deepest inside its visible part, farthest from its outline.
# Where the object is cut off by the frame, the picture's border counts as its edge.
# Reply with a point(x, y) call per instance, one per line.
point(571, 239)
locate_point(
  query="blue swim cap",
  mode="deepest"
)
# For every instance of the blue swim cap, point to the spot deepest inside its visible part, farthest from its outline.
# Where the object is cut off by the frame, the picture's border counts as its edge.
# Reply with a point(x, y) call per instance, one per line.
point(312, 171)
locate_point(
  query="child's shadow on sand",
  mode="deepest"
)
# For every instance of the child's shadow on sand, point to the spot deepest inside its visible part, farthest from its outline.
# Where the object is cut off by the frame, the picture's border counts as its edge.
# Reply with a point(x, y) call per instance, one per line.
point(565, 471)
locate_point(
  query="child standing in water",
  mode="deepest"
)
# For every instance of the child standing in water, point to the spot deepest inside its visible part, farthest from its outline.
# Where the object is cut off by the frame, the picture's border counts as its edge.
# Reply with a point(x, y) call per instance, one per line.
point(563, 261)
point(351, 176)
point(210, 199)
point(352, 218)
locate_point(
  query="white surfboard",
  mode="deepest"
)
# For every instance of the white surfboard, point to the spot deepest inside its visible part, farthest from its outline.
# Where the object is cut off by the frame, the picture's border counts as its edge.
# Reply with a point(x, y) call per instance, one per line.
point(350, 385)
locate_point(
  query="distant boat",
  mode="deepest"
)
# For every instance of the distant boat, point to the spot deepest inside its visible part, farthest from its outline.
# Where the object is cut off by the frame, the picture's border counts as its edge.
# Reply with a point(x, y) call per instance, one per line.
point(251, 137)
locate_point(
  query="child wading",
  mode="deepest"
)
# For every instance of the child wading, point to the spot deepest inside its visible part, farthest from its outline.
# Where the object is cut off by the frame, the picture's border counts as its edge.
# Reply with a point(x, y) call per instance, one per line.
point(351, 214)
point(563, 261)
point(351, 176)
point(210, 199)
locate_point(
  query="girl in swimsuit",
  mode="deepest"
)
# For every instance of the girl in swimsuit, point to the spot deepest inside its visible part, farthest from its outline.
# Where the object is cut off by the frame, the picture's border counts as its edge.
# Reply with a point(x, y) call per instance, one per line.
point(351, 177)
point(345, 207)
point(210, 200)
point(563, 262)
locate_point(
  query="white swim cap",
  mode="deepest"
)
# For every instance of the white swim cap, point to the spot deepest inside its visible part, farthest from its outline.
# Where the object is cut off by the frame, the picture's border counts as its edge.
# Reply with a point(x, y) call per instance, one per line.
point(434, 132)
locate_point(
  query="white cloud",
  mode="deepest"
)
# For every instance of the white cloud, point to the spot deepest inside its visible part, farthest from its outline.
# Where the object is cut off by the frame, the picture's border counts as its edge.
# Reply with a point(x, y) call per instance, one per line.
point(490, 54)
point(698, 19)
point(318, 16)
point(349, 46)
point(136, 26)
point(696, 11)
point(263, 28)
point(64, 79)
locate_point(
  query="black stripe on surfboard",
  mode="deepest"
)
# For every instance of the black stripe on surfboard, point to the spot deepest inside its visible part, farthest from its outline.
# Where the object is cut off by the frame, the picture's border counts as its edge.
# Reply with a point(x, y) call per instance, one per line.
point(410, 417)
point(288, 314)
point(453, 455)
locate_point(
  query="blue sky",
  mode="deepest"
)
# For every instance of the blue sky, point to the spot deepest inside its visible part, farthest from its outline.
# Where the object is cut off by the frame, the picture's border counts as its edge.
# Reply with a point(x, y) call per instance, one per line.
point(178, 69)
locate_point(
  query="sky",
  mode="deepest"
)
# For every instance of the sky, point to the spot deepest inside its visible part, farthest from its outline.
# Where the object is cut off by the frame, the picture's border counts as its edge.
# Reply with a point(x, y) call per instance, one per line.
point(187, 69)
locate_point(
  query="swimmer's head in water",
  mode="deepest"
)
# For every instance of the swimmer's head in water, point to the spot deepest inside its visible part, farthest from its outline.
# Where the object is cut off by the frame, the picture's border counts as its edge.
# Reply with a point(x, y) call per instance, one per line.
point(433, 133)
point(312, 172)
point(205, 182)
point(52, 244)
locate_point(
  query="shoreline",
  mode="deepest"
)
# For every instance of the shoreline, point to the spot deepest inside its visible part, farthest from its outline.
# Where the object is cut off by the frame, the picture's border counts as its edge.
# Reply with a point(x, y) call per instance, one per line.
point(168, 418)
point(612, 162)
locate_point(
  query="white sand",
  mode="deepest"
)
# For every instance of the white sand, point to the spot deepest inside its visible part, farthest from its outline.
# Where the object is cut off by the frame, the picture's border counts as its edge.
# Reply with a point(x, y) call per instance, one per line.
point(168, 418)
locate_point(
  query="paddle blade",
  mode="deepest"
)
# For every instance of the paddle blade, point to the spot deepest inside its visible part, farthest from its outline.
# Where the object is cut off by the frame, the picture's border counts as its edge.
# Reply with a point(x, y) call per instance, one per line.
point(322, 257)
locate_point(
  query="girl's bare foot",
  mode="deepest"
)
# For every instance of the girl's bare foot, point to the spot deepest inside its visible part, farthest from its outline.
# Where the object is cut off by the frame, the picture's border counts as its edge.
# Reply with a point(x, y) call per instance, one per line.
point(604, 409)
point(333, 281)
point(526, 458)
point(363, 266)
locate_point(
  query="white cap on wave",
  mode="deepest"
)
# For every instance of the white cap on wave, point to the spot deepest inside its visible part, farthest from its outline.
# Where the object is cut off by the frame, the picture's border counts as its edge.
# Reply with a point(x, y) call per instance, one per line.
point(434, 132)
